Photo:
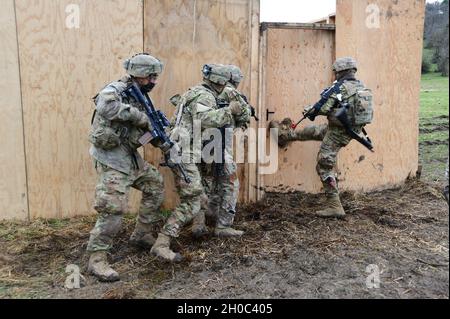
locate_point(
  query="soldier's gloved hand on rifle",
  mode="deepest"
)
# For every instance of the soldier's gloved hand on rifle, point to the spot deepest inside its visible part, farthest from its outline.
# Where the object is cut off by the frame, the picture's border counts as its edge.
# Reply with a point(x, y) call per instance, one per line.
point(171, 154)
point(236, 108)
point(143, 121)
point(165, 148)
point(310, 112)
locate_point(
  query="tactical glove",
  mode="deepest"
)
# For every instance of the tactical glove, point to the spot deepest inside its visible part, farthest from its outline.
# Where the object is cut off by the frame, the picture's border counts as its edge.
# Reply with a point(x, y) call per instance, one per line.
point(235, 108)
point(310, 112)
point(143, 121)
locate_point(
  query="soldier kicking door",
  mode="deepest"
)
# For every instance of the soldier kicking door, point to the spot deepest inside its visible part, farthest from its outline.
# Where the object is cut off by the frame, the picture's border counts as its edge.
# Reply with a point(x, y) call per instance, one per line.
point(296, 65)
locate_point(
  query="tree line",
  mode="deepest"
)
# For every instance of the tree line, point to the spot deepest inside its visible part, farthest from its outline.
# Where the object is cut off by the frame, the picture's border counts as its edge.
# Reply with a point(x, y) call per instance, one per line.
point(436, 38)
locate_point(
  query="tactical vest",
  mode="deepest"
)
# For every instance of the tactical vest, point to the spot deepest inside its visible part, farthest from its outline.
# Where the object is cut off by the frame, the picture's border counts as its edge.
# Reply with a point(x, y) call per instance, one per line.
point(181, 129)
point(115, 143)
point(106, 134)
point(183, 113)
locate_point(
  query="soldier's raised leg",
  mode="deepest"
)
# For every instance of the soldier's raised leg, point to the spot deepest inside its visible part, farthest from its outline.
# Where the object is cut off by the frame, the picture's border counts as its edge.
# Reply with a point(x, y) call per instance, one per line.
point(286, 134)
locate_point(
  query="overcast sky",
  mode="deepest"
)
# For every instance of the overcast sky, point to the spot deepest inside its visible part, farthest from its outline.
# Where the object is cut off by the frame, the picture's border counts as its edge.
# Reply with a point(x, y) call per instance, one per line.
point(297, 10)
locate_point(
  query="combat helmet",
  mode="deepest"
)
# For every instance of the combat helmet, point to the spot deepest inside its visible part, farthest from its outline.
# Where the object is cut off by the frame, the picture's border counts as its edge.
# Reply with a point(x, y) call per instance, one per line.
point(142, 65)
point(236, 74)
point(216, 73)
point(346, 63)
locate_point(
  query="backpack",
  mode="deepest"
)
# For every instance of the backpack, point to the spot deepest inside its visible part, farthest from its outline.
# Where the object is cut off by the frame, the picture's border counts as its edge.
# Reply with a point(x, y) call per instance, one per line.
point(361, 111)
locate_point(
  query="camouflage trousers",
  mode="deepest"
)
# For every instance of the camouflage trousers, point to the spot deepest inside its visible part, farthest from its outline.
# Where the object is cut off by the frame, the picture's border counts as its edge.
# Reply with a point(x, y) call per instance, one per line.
point(309, 133)
point(111, 201)
point(190, 198)
point(222, 194)
point(333, 139)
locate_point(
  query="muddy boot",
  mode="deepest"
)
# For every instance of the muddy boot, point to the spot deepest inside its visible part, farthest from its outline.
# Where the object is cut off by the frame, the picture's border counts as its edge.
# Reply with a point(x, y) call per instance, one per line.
point(333, 208)
point(227, 232)
point(283, 131)
point(223, 228)
point(198, 228)
point(142, 235)
point(161, 249)
point(99, 267)
point(211, 216)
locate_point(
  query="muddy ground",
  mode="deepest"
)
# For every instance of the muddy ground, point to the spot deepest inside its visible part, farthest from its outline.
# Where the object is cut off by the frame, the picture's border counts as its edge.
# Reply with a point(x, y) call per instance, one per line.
point(286, 252)
point(433, 147)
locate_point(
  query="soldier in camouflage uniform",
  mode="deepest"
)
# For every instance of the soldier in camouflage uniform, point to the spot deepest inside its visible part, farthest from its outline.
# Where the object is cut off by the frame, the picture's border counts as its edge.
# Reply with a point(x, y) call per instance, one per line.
point(196, 108)
point(333, 135)
point(118, 123)
point(222, 188)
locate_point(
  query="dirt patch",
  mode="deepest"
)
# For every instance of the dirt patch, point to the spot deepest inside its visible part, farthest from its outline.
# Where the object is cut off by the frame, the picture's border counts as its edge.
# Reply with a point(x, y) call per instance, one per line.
point(436, 128)
point(286, 252)
point(434, 142)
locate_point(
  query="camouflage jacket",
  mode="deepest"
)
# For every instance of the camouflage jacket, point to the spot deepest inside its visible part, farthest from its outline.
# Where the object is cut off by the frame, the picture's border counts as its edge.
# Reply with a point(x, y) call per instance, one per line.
point(198, 106)
point(329, 109)
point(118, 123)
point(230, 93)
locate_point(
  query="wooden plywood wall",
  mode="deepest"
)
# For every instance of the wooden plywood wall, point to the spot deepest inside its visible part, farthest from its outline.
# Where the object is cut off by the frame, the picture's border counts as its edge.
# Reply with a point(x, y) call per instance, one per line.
point(13, 190)
point(185, 35)
point(296, 66)
point(51, 71)
point(385, 36)
point(61, 69)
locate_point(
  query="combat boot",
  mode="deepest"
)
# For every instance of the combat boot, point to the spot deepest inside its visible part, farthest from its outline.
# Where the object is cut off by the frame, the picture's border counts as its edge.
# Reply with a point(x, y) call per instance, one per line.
point(198, 228)
point(142, 235)
point(99, 267)
point(282, 133)
point(161, 249)
point(211, 216)
point(223, 227)
point(227, 232)
point(333, 207)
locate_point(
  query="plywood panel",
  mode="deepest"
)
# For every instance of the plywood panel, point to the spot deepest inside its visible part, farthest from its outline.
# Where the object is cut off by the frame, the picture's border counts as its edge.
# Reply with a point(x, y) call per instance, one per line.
point(186, 34)
point(389, 58)
point(13, 191)
point(296, 68)
point(251, 170)
point(62, 68)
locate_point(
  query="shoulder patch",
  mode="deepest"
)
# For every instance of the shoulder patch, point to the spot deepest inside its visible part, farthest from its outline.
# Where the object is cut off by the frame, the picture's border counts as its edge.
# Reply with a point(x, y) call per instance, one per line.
point(202, 108)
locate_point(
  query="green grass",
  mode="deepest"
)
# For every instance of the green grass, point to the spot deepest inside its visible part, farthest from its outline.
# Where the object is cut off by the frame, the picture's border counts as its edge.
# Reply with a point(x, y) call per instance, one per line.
point(428, 56)
point(435, 136)
point(433, 96)
point(434, 112)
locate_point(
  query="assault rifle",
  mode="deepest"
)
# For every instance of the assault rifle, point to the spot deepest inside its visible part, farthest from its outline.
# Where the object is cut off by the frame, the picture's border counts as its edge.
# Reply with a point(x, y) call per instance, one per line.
point(324, 96)
point(157, 135)
point(342, 116)
point(252, 109)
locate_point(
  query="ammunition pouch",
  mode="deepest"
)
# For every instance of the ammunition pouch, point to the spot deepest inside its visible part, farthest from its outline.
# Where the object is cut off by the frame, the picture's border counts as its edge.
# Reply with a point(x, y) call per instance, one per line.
point(105, 137)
